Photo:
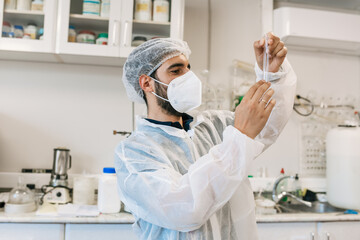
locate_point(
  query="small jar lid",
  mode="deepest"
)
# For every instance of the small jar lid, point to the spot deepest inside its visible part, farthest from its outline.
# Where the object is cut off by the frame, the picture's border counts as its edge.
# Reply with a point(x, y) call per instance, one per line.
point(6, 24)
point(109, 170)
point(103, 35)
point(140, 38)
point(32, 24)
point(18, 27)
point(41, 31)
point(71, 27)
point(87, 32)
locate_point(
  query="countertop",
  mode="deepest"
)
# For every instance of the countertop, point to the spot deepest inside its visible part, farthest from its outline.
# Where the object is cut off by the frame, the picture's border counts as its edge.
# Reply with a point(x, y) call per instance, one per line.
point(126, 218)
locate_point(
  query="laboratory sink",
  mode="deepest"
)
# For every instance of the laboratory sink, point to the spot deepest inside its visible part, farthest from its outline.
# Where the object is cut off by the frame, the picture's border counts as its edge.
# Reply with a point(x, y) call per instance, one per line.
point(317, 207)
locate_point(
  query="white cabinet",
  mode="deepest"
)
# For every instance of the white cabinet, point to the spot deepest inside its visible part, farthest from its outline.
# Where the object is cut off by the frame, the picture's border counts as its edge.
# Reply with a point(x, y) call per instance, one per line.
point(339, 230)
point(28, 231)
point(11, 48)
point(58, 16)
point(99, 231)
point(287, 231)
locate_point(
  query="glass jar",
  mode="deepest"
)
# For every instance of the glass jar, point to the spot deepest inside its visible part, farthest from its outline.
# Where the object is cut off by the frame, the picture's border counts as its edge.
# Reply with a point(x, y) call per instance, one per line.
point(37, 5)
point(138, 41)
point(86, 36)
point(31, 29)
point(102, 39)
point(105, 8)
point(72, 34)
point(18, 31)
point(91, 7)
point(6, 29)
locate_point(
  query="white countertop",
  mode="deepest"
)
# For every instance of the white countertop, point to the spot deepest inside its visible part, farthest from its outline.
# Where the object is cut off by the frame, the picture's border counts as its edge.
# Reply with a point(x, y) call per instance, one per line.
point(126, 218)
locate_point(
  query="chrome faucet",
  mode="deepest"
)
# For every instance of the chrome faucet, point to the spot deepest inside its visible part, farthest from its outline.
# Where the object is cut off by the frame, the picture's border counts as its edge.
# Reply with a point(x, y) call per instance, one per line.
point(278, 197)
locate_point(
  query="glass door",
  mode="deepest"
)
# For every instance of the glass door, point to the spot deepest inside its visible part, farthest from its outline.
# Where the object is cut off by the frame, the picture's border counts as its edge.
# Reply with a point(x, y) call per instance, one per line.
point(28, 26)
point(149, 19)
point(89, 27)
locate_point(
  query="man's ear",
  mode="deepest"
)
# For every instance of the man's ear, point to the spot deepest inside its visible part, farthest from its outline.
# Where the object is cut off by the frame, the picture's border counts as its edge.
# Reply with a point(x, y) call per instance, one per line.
point(146, 83)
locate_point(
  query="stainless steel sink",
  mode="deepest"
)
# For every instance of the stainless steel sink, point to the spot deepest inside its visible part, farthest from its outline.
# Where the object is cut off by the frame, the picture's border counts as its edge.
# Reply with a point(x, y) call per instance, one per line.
point(317, 207)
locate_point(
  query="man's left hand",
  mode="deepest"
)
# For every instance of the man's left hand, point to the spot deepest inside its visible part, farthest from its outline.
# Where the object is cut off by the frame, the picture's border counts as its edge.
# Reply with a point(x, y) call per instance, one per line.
point(276, 50)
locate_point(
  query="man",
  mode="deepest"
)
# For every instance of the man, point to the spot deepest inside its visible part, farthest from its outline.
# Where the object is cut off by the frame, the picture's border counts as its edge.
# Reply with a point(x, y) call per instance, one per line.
point(184, 176)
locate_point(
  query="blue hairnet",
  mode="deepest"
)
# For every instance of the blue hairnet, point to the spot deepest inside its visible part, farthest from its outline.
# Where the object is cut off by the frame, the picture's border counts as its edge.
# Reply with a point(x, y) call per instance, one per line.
point(145, 59)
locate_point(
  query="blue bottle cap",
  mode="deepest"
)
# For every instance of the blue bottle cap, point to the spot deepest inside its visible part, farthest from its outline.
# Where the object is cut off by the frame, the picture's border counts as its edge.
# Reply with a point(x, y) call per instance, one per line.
point(109, 170)
point(18, 27)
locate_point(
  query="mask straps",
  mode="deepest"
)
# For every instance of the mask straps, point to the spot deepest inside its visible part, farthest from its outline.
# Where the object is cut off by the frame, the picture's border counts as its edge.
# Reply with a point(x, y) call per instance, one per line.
point(155, 93)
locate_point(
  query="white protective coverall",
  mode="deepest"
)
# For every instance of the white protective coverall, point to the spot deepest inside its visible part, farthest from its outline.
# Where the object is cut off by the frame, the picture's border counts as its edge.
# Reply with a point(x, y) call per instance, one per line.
point(194, 185)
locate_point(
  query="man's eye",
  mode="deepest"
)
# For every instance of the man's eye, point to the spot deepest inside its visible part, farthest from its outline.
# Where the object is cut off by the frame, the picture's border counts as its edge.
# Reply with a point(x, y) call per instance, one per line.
point(176, 71)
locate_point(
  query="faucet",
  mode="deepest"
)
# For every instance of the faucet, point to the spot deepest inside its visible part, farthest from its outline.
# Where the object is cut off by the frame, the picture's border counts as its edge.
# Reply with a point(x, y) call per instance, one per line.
point(278, 197)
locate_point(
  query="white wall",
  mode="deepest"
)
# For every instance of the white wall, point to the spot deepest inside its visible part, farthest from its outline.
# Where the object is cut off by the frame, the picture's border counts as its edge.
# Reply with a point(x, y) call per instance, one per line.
point(43, 106)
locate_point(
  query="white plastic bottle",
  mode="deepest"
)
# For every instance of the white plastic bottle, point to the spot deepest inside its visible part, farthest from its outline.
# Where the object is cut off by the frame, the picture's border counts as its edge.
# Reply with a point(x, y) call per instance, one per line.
point(108, 197)
point(161, 11)
point(143, 10)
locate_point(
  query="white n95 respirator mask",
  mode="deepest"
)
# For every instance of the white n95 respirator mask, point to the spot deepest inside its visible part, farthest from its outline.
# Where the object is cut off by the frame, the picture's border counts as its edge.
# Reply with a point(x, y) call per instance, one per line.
point(184, 92)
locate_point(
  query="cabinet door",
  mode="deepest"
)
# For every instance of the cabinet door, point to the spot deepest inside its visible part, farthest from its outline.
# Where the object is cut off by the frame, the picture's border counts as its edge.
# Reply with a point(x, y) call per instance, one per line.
point(99, 231)
point(287, 231)
point(71, 15)
point(132, 27)
point(45, 19)
point(339, 230)
point(28, 231)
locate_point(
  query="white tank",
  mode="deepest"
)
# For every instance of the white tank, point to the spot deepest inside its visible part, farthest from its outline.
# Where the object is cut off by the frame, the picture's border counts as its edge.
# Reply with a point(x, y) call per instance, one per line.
point(343, 167)
point(108, 197)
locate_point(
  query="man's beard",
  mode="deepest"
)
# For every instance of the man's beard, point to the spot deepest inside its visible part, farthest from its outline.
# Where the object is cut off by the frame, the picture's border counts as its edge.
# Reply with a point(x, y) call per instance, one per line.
point(165, 105)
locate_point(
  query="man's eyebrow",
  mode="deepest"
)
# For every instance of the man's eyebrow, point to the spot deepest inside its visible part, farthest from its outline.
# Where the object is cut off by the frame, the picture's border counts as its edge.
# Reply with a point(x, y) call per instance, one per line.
point(176, 65)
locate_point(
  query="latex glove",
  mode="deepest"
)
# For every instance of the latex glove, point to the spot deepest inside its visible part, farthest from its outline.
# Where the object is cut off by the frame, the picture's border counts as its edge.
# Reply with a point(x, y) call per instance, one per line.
point(276, 50)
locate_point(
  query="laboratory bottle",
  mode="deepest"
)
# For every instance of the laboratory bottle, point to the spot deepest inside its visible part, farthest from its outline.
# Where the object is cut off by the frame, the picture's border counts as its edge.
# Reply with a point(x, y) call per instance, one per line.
point(108, 197)
point(282, 187)
point(161, 11)
point(298, 191)
point(143, 10)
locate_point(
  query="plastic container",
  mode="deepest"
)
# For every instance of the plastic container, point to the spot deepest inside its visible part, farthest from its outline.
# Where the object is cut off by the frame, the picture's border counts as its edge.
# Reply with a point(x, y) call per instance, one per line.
point(343, 167)
point(105, 8)
point(102, 39)
point(41, 34)
point(84, 190)
point(31, 29)
point(23, 5)
point(143, 10)
point(21, 200)
point(138, 41)
point(91, 7)
point(6, 29)
point(18, 31)
point(108, 197)
point(161, 11)
point(10, 4)
point(86, 36)
point(72, 34)
point(37, 5)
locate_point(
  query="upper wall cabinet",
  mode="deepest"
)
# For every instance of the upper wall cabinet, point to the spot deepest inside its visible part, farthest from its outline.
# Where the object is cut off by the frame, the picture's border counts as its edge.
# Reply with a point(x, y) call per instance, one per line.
point(318, 30)
point(90, 31)
point(27, 28)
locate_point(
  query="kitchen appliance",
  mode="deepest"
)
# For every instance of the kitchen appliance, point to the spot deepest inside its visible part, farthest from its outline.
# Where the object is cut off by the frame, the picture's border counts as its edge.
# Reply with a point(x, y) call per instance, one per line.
point(343, 167)
point(62, 162)
point(21, 200)
point(58, 191)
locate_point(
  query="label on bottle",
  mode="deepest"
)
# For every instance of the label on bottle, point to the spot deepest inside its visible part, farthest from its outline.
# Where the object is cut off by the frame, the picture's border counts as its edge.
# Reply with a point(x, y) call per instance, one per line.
point(142, 7)
point(161, 9)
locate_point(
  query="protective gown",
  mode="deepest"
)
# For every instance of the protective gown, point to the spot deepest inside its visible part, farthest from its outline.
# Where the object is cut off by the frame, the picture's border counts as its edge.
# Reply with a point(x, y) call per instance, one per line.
point(194, 185)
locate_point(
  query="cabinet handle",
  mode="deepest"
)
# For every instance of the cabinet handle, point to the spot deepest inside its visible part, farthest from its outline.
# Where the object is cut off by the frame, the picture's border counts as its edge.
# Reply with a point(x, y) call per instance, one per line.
point(312, 236)
point(126, 26)
point(327, 236)
point(115, 31)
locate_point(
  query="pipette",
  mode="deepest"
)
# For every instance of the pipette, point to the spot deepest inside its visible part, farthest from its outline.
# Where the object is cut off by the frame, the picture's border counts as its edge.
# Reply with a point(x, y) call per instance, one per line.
point(266, 59)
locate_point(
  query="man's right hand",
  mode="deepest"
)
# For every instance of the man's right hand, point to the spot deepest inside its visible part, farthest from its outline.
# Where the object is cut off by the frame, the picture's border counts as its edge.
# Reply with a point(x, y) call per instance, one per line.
point(254, 110)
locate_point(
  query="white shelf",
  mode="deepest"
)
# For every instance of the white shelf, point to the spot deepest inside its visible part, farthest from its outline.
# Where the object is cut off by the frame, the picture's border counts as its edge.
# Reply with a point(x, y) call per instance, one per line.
point(152, 22)
point(88, 17)
point(318, 30)
point(24, 12)
point(86, 22)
